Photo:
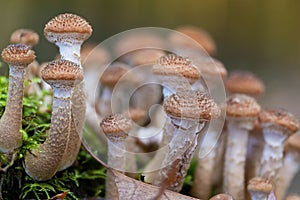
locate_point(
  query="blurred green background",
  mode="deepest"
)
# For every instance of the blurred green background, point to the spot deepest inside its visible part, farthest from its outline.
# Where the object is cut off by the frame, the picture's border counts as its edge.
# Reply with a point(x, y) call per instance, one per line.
point(259, 35)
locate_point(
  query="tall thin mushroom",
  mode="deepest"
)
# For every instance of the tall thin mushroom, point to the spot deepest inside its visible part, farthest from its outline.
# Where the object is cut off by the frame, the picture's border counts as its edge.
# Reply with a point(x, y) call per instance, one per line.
point(18, 57)
point(43, 162)
point(189, 111)
point(241, 111)
point(116, 127)
point(68, 32)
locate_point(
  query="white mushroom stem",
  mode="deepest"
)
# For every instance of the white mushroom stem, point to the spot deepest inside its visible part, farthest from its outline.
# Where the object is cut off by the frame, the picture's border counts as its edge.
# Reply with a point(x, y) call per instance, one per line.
point(235, 158)
point(43, 162)
point(70, 51)
point(205, 168)
point(181, 149)
point(272, 155)
point(290, 167)
point(258, 195)
point(11, 121)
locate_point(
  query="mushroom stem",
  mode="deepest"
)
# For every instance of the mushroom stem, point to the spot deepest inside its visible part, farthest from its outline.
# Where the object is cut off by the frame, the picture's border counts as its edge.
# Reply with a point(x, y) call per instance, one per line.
point(11, 121)
point(70, 51)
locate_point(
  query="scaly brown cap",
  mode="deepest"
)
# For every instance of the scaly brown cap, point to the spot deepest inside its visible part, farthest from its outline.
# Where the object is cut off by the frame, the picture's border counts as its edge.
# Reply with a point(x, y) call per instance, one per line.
point(116, 126)
point(137, 114)
point(190, 104)
point(221, 197)
point(18, 55)
point(258, 184)
point(240, 105)
point(244, 82)
point(200, 36)
point(146, 56)
point(68, 24)
point(62, 70)
point(174, 65)
point(25, 36)
point(212, 67)
point(113, 73)
point(281, 118)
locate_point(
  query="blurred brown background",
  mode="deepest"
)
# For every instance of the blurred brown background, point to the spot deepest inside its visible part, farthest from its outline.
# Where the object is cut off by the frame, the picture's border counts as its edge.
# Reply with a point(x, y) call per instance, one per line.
point(258, 35)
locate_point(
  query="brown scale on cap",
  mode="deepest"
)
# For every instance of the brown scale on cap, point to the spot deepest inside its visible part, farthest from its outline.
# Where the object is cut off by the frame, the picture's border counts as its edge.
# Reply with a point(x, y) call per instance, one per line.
point(239, 105)
point(221, 197)
point(280, 117)
point(113, 73)
point(62, 70)
point(116, 126)
point(25, 36)
point(174, 65)
point(68, 23)
point(244, 82)
point(199, 35)
point(259, 184)
point(190, 104)
point(18, 54)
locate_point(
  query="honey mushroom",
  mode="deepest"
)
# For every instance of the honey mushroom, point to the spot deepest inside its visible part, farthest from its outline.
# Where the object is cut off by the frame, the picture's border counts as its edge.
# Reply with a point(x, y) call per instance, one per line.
point(241, 112)
point(18, 57)
point(222, 196)
point(189, 111)
point(43, 162)
point(68, 32)
point(116, 128)
point(259, 188)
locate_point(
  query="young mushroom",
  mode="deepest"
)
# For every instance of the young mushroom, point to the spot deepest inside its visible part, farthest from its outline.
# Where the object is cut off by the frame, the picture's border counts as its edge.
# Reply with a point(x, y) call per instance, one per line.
point(189, 111)
point(116, 128)
point(68, 32)
point(43, 162)
point(259, 188)
point(175, 73)
point(241, 111)
point(277, 126)
point(18, 57)
point(290, 166)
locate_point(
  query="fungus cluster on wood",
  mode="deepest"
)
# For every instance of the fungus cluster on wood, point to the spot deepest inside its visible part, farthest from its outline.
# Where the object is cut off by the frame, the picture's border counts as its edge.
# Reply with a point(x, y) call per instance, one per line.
point(255, 158)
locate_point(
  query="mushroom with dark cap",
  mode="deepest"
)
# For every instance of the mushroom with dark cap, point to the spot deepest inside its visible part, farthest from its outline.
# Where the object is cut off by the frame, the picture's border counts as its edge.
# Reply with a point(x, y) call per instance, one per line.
point(242, 111)
point(18, 57)
point(44, 161)
point(189, 111)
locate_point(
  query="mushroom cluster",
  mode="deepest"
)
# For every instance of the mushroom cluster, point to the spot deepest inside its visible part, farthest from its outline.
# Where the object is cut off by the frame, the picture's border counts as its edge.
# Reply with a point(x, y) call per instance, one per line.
point(251, 153)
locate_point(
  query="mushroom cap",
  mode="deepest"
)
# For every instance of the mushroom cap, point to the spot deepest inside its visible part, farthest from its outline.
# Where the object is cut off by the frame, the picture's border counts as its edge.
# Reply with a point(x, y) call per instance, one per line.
point(25, 36)
point(244, 82)
point(93, 55)
point(280, 117)
point(137, 114)
point(174, 65)
point(222, 196)
point(62, 70)
point(71, 24)
point(146, 56)
point(258, 184)
point(18, 55)
point(200, 36)
point(240, 105)
point(113, 73)
point(212, 66)
point(191, 104)
point(116, 126)
point(294, 142)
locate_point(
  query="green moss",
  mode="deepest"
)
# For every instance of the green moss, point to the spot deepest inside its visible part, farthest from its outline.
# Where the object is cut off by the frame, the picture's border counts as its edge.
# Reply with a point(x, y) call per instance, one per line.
point(84, 179)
